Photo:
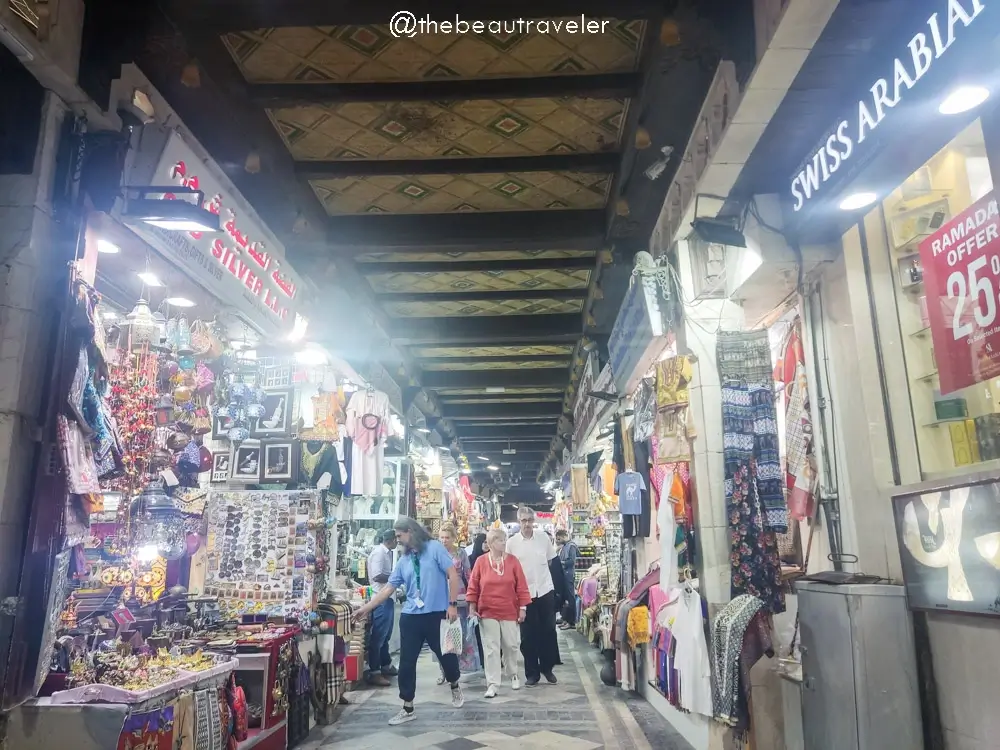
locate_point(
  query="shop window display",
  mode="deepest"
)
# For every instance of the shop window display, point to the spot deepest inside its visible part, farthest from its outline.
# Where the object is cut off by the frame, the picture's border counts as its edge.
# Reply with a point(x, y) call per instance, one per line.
point(959, 428)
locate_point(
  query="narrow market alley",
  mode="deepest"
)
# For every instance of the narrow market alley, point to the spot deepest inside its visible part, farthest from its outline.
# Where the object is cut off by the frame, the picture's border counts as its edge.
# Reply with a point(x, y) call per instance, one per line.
point(579, 713)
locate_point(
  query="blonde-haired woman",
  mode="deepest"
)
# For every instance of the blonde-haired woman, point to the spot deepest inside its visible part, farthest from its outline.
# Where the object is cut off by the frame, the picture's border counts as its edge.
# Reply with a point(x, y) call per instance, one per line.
point(468, 660)
point(498, 595)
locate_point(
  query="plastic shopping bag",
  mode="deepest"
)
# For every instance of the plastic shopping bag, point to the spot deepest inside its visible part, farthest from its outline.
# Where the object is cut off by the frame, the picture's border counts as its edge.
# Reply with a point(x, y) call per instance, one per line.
point(451, 637)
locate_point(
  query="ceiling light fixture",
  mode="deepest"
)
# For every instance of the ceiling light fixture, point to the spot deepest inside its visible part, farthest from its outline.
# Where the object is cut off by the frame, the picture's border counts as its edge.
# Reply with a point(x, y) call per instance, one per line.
point(149, 278)
point(482, 458)
point(184, 213)
point(423, 430)
point(491, 467)
point(108, 248)
point(496, 389)
point(179, 302)
point(963, 99)
point(109, 315)
point(858, 200)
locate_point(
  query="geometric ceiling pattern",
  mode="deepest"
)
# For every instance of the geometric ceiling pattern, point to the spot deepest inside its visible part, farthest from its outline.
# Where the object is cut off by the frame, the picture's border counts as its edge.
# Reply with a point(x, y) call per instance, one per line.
point(371, 53)
point(470, 255)
point(505, 365)
point(482, 127)
point(482, 307)
point(493, 351)
point(531, 124)
point(436, 194)
point(383, 283)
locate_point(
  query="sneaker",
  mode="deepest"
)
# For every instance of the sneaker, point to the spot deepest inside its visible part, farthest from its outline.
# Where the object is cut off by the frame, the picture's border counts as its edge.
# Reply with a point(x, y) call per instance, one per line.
point(440, 679)
point(515, 683)
point(457, 697)
point(402, 717)
point(491, 692)
point(378, 680)
point(550, 678)
point(389, 671)
point(531, 682)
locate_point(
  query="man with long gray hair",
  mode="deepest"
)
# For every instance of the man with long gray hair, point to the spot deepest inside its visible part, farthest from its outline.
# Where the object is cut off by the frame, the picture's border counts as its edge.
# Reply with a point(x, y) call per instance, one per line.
point(539, 646)
point(432, 586)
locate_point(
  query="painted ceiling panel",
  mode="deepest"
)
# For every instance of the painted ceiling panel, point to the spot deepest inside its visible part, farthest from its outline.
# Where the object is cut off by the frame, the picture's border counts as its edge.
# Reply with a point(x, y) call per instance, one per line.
point(478, 281)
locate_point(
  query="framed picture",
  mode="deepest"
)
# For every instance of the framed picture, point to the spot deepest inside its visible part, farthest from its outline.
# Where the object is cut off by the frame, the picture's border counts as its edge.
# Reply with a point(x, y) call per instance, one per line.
point(279, 461)
point(220, 427)
point(277, 419)
point(245, 464)
point(222, 461)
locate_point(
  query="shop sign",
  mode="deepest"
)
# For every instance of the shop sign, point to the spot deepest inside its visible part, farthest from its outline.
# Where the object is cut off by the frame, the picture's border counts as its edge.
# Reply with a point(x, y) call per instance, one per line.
point(585, 406)
point(635, 339)
point(961, 263)
point(242, 265)
point(924, 48)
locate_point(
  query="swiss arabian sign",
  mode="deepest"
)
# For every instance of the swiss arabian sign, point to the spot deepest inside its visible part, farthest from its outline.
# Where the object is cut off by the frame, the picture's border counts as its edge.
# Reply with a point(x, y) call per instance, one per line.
point(961, 264)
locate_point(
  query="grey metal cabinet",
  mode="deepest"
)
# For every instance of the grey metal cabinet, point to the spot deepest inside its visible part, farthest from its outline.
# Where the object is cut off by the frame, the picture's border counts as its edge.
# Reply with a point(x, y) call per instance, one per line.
point(859, 672)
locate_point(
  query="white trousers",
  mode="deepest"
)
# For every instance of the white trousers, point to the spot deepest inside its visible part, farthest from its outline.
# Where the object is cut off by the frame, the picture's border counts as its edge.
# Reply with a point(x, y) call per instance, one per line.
point(497, 635)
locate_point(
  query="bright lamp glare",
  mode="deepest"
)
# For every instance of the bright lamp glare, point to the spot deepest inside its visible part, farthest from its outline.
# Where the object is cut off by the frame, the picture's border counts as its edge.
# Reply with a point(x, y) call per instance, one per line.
point(299, 328)
point(311, 356)
point(110, 248)
point(857, 200)
point(149, 279)
point(963, 99)
point(491, 467)
point(483, 458)
point(181, 225)
point(109, 315)
point(147, 553)
point(180, 302)
point(423, 430)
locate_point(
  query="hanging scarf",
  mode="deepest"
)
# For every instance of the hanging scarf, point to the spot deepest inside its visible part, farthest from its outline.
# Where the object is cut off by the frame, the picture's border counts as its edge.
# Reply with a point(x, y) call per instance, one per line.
point(727, 649)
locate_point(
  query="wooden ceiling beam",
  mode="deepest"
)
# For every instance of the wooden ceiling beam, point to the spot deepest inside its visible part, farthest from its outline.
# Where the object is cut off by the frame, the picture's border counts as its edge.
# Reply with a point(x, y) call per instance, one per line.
point(491, 295)
point(465, 412)
point(487, 448)
point(512, 359)
point(504, 432)
point(557, 229)
point(548, 377)
point(495, 330)
point(473, 266)
point(220, 16)
point(603, 162)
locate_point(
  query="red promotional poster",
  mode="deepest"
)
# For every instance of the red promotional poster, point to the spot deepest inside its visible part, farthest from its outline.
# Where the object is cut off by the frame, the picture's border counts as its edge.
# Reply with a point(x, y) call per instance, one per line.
point(961, 263)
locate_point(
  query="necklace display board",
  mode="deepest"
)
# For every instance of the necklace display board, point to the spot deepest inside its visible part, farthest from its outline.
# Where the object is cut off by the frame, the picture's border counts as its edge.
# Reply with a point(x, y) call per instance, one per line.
point(262, 551)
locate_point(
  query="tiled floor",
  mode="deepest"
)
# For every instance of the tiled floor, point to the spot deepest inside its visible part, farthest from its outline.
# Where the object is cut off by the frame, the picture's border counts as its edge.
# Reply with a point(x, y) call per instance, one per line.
point(580, 713)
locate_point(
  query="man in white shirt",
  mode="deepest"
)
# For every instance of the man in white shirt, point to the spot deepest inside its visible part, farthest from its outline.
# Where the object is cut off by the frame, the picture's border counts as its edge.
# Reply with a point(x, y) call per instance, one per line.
point(538, 631)
point(380, 667)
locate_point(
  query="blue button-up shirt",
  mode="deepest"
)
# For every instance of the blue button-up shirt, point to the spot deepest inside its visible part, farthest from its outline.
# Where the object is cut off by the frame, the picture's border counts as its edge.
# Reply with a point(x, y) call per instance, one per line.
point(433, 591)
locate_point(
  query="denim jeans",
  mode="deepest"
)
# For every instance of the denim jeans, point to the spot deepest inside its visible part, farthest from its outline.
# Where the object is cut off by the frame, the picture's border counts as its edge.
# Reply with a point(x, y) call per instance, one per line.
point(414, 632)
point(378, 643)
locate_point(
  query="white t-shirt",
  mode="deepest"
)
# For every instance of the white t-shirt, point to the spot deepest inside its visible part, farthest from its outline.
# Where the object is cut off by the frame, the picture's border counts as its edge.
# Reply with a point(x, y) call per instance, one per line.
point(379, 563)
point(534, 555)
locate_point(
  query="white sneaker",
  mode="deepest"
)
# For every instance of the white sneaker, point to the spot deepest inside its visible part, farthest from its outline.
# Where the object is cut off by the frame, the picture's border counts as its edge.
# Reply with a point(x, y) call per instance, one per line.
point(457, 697)
point(515, 683)
point(491, 692)
point(402, 717)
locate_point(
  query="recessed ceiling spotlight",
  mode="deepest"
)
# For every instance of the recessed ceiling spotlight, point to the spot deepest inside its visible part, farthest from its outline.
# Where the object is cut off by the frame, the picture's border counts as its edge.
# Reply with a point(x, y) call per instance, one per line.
point(109, 248)
point(149, 279)
point(496, 389)
point(180, 302)
point(963, 99)
point(858, 200)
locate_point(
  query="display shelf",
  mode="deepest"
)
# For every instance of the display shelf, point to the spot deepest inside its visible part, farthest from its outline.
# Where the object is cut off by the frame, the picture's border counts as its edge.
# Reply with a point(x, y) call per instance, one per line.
point(927, 376)
point(258, 737)
point(922, 333)
point(949, 420)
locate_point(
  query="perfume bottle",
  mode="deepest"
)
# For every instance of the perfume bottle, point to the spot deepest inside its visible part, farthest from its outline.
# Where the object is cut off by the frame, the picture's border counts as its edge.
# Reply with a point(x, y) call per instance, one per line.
point(916, 272)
